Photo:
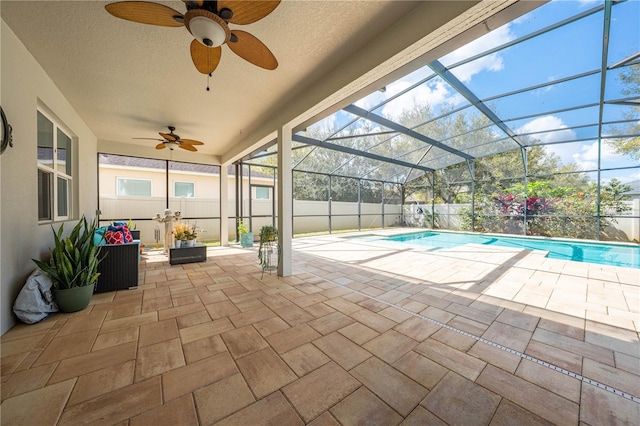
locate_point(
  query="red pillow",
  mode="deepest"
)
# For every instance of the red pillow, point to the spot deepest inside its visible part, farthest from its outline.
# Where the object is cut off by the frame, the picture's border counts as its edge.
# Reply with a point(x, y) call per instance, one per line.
point(118, 235)
point(127, 234)
point(114, 237)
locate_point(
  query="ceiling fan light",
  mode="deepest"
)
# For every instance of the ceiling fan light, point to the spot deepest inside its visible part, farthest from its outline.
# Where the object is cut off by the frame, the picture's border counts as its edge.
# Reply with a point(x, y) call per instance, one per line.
point(171, 145)
point(208, 28)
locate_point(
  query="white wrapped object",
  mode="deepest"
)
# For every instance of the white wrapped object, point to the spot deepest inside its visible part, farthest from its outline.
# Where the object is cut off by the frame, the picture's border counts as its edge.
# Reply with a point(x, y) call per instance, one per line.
point(35, 301)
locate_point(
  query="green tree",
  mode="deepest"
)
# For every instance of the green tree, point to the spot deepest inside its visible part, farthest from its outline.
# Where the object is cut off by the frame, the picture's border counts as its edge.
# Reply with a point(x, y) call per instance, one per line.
point(630, 78)
point(612, 198)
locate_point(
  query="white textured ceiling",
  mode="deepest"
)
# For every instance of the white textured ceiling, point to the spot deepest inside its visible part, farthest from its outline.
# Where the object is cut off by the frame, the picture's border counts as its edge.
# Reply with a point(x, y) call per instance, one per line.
point(131, 80)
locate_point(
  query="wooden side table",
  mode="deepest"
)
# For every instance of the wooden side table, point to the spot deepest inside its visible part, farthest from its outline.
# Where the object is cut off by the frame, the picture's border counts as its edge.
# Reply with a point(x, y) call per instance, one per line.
point(197, 253)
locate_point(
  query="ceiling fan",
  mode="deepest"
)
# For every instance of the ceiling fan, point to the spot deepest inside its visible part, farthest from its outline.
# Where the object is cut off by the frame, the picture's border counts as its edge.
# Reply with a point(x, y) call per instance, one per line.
point(208, 22)
point(171, 140)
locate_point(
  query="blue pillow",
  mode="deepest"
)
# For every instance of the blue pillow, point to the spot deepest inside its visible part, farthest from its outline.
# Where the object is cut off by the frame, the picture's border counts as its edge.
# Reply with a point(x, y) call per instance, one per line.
point(120, 224)
point(98, 236)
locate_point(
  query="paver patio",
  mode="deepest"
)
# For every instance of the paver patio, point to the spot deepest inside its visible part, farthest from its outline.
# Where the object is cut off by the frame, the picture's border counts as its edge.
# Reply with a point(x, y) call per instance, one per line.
point(360, 333)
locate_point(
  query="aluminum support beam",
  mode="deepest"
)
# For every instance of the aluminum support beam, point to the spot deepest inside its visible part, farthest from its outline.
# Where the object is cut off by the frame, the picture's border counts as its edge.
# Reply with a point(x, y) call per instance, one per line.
point(347, 150)
point(353, 109)
point(603, 82)
point(460, 87)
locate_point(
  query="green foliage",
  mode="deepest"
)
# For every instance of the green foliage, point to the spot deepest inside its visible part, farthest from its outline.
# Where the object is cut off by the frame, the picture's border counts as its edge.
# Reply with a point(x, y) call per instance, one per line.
point(268, 244)
point(243, 227)
point(612, 199)
point(552, 209)
point(268, 233)
point(630, 79)
point(74, 260)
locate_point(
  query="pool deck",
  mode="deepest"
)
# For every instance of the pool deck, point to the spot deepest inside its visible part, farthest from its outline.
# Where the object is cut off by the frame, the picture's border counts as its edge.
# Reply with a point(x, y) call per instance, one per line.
point(361, 333)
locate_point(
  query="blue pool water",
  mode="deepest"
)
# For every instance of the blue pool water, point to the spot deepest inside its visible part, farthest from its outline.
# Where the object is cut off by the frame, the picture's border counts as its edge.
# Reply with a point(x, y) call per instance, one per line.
point(606, 254)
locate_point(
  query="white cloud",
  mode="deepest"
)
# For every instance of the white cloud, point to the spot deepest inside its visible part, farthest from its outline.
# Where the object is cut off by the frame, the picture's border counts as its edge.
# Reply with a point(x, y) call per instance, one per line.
point(588, 3)
point(583, 154)
point(432, 94)
point(629, 178)
point(492, 62)
point(436, 92)
point(566, 152)
point(587, 158)
point(547, 123)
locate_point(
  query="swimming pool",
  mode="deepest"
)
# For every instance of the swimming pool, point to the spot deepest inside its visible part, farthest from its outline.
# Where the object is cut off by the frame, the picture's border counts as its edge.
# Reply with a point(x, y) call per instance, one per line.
point(602, 253)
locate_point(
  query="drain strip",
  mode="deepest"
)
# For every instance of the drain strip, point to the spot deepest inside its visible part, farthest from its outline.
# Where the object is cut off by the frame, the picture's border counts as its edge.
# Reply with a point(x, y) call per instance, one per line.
point(498, 346)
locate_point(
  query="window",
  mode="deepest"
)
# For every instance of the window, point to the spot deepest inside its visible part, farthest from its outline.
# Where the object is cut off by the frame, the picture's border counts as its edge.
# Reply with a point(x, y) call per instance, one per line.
point(54, 170)
point(263, 193)
point(134, 187)
point(184, 189)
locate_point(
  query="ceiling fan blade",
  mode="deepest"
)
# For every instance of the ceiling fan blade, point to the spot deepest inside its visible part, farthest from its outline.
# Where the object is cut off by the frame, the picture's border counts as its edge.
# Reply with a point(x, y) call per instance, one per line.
point(191, 142)
point(253, 50)
point(146, 13)
point(161, 146)
point(150, 139)
point(168, 136)
point(206, 59)
point(247, 12)
point(188, 147)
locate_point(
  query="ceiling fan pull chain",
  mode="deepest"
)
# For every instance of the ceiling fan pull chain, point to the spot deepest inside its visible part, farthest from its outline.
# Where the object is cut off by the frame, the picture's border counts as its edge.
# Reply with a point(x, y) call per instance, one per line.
point(208, 76)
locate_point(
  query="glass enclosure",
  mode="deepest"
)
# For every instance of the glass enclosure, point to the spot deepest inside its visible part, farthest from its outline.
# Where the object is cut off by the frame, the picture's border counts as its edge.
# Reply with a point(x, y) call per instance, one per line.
point(531, 129)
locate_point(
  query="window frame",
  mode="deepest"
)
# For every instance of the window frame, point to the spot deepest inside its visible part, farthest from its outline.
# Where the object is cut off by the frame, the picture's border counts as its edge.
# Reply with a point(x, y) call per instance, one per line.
point(53, 172)
point(269, 192)
point(184, 181)
point(119, 178)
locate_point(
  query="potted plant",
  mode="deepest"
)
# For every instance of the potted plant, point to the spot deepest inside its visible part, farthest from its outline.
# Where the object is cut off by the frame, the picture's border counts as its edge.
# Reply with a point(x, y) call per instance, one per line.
point(268, 233)
point(73, 265)
point(268, 247)
point(191, 235)
point(246, 237)
point(180, 232)
point(133, 228)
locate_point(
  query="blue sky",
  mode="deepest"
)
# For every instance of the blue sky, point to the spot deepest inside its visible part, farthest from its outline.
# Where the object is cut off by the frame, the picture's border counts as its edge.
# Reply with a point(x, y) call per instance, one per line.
point(569, 50)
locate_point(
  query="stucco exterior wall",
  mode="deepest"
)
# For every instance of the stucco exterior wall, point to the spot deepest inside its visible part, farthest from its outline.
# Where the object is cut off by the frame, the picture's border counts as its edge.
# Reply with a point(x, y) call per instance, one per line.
point(24, 88)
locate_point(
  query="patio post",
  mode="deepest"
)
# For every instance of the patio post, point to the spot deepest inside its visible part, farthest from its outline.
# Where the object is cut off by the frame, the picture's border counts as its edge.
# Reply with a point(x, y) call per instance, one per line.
point(285, 206)
point(224, 206)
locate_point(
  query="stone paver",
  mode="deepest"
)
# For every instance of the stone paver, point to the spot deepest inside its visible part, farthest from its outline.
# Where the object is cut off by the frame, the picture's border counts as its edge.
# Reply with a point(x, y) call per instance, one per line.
point(363, 407)
point(341, 350)
point(390, 346)
point(466, 365)
point(305, 359)
point(529, 396)
point(393, 387)
point(458, 400)
point(243, 341)
point(222, 398)
point(217, 343)
point(177, 411)
point(272, 410)
point(318, 391)
point(265, 372)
